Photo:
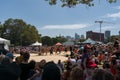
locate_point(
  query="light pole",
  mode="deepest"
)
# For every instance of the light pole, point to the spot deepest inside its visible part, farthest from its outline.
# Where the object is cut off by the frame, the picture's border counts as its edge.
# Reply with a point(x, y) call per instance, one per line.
point(100, 22)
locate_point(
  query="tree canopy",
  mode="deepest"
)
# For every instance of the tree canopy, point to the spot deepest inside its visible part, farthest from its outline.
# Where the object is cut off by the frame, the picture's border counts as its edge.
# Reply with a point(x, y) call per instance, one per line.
point(72, 3)
point(48, 41)
point(19, 33)
point(22, 34)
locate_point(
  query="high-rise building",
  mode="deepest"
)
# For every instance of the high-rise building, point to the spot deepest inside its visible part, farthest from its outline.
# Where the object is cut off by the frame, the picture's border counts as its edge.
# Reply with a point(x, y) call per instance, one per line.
point(82, 37)
point(95, 36)
point(68, 37)
point(107, 34)
point(119, 33)
point(77, 37)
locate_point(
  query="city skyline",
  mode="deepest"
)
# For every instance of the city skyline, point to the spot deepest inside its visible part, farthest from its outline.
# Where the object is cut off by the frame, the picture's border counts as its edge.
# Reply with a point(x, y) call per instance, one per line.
point(55, 20)
point(107, 34)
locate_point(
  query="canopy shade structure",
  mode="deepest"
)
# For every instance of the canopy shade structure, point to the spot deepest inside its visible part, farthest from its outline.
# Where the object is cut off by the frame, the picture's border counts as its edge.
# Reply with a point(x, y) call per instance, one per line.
point(90, 41)
point(36, 44)
point(68, 43)
point(4, 41)
point(4, 44)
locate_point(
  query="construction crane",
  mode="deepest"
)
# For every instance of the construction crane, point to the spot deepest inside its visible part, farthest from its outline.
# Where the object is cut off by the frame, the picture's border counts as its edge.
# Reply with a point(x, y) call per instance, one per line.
point(100, 22)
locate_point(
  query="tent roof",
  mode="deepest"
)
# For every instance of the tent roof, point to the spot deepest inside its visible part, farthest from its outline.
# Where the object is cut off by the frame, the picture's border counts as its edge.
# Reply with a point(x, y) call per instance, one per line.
point(36, 44)
point(89, 41)
point(68, 43)
point(4, 41)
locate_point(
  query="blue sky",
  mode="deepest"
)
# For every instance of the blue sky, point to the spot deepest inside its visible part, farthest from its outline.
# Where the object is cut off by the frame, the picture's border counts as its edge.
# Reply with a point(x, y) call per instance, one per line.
point(55, 20)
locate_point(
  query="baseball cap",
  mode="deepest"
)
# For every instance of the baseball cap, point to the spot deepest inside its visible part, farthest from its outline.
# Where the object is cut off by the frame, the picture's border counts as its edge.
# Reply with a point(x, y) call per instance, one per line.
point(9, 55)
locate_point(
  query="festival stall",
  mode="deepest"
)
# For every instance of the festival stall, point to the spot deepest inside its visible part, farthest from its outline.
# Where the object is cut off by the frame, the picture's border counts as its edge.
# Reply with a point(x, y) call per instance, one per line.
point(4, 44)
point(36, 44)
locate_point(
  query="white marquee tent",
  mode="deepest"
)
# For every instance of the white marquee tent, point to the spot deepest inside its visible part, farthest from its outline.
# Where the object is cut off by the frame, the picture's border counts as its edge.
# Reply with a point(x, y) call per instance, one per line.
point(90, 41)
point(5, 42)
point(36, 44)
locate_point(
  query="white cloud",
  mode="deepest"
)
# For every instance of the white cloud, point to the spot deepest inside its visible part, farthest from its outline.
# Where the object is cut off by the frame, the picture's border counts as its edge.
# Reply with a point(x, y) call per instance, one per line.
point(72, 26)
point(107, 28)
point(114, 15)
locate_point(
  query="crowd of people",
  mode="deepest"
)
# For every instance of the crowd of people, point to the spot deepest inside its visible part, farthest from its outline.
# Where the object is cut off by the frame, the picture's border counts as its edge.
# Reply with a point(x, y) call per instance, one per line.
point(86, 62)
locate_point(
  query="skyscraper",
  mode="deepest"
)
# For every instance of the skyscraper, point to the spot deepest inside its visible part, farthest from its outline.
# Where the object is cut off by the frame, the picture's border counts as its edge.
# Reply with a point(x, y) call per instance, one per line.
point(107, 34)
point(77, 37)
point(82, 36)
point(119, 33)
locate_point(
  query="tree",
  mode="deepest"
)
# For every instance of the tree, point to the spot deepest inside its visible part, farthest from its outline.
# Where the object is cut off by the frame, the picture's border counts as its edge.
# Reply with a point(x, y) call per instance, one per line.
point(19, 33)
point(29, 35)
point(82, 40)
point(61, 39)
point(72, 3)
point(1, 28)
point(46, 40)
point(112, 38)
point(58, 39)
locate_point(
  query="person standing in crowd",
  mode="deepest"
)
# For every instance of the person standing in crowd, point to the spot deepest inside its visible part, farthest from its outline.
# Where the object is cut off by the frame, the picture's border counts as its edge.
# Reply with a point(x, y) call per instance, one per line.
point(20, 58)
point(51, 72)
point(38, 71)
point(32, 71)
point(25, 68)
point(117, 77)
point(9, 70)
point(116, 43)
point(51, 50)
point(65, 49)
point(112, 66)
point(76, 73)
point(58, 51)
point(60, 64)
point(85, 56)
point(68, 67)
point(100, 74)
point(6, 73)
